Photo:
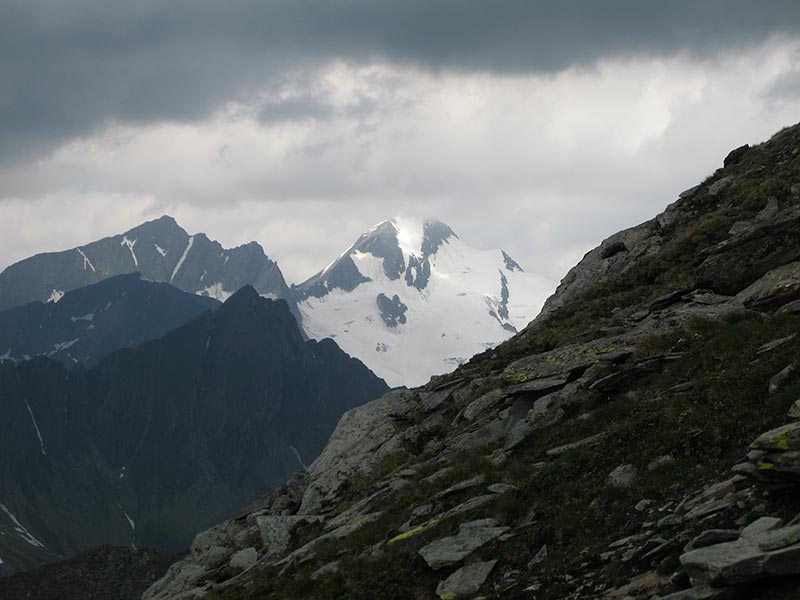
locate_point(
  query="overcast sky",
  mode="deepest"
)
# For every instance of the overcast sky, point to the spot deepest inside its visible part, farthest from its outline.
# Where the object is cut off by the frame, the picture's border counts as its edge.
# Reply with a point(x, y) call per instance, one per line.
point(537, 127)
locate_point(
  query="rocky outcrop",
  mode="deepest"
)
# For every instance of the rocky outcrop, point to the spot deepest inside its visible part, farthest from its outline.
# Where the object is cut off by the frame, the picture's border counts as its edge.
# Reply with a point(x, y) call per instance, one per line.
point(615, 255)
point(364, 437)
point(452, 550)
point(755, 249)
point(465, 582)
point(751, 557)
point(778, 287)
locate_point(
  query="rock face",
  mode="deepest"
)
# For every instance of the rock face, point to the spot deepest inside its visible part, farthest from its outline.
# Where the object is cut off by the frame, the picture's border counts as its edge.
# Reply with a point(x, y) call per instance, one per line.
point(89, 323)
point(400, 296)
point(156, 443)
point(778, 287)
point(738, 262)
point(160, 250)
point(751, 557)
point(775, 456)
point(615, 255)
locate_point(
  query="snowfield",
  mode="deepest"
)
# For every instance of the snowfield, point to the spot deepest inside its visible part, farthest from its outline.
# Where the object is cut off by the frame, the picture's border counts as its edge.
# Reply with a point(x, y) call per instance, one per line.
point(459, 312)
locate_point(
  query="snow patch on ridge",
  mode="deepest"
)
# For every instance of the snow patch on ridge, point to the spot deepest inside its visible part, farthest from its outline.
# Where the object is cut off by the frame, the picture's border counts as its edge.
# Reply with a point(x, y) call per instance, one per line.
point(132, 525)
point(21, 530)
point(160, 250)
point(182, 258)
point(130, 244)
point(86, 261)
point(36, 427)
point(63, 346)
point(215, 291)
point(55, 296)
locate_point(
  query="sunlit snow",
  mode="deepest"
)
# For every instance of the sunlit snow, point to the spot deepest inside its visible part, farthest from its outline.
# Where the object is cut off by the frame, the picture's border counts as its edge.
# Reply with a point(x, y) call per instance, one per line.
point(455, 316)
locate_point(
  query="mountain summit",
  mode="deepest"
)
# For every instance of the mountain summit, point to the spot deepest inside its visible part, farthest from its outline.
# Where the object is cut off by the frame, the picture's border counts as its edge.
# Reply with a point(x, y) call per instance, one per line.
point(412, 300)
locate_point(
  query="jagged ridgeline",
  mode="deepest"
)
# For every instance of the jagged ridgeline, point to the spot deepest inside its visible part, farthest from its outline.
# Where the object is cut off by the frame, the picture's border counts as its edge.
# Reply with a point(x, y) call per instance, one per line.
point(161, 251)
point(89, 323)
point(155, 443)
point(588, 457)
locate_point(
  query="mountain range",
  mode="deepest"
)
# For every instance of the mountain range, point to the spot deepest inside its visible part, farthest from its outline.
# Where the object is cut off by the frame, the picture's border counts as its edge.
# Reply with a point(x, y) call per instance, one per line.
point(409, 298)
point(153, 443)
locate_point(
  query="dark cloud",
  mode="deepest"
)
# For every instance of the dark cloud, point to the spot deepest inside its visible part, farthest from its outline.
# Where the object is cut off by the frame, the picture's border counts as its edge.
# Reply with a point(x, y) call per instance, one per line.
point(68, 68)
point(787, 87)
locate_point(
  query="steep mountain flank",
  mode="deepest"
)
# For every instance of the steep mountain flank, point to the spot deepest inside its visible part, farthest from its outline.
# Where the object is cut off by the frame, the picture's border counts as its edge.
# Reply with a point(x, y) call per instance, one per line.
point(412, 300)
point(589, 456)
point(89, 323)
point(160, 250)
point(154, 444)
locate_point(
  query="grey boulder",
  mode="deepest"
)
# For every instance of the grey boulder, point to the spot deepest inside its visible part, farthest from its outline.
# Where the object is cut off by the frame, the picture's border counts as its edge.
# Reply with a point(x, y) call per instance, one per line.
point(466, 581)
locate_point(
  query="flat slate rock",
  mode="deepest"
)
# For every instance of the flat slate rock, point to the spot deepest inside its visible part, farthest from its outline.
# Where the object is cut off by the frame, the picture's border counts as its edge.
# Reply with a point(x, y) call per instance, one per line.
point(452, 550)
point(465, 582)
point(750, 558)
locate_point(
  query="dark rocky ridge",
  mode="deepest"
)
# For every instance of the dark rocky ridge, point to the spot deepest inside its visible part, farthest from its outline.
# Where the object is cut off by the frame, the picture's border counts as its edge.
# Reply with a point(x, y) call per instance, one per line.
point(178, 433)
point(89, 323)
point(102, 573)
point(160, 250)
point(588, 457)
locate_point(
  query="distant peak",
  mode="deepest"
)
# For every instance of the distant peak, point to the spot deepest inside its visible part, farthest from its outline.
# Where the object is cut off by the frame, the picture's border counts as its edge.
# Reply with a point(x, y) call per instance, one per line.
point(511, 264)
point(164, 223)
point(415, 236)
point(243, 293)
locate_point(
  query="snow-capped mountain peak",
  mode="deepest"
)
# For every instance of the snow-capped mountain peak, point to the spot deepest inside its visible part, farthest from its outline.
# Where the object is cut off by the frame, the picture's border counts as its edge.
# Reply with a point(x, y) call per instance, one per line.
point(412, 300)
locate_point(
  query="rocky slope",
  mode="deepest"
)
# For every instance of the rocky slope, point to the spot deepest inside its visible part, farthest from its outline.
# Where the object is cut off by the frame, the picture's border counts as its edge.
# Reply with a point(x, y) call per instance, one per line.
point(102, 573)
point(160, 250)
point(154, 444)
point(89, 323)
point(412, 300)
point(622, 446)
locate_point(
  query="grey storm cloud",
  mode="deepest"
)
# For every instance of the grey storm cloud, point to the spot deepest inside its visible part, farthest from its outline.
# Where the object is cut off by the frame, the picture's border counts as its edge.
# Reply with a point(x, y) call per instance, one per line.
point(68, 68)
